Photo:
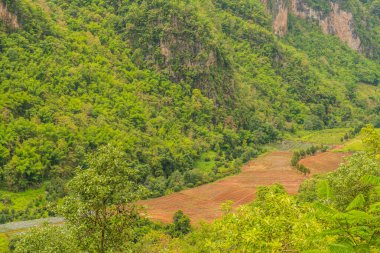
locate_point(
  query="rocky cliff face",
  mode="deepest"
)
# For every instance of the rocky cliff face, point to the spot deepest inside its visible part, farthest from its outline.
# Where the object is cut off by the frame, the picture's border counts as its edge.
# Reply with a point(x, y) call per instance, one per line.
point(337, 22)
point(8, 18)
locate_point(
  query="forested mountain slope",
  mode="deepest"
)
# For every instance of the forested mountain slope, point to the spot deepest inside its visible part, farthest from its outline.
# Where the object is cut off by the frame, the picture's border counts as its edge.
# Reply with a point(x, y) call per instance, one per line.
point(166, 81)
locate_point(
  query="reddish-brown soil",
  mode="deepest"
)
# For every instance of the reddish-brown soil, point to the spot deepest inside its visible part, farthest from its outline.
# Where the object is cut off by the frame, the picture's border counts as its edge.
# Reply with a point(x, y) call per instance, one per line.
point(323, 162)
point(203, 202)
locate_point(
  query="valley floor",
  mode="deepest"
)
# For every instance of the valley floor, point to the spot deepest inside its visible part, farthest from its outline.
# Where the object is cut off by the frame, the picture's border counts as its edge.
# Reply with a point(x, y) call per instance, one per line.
point(204, 202)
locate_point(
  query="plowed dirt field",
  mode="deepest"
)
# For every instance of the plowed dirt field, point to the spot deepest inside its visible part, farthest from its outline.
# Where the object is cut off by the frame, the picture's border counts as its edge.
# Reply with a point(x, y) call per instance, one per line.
point(203, 202)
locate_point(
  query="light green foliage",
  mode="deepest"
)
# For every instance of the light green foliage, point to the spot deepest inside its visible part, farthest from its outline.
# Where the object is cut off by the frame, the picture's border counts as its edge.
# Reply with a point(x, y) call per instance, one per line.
point(273, 223)
point(350, 198)
point(371, 139)
point(334, 62)
point(357, 228)
point(46, 239)
point(207, 161)
point(345, 183)
point(22, 199)
point(357, 203)
point(324, 137)
point(355, 145)
point(366, 140)
point(157, 241)
point(4, 243)
point(368, 95)
point(31, 204)
point(324, 190)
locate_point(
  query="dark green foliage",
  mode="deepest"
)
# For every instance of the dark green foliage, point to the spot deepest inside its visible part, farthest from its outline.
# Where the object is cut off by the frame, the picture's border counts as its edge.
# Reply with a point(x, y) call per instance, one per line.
point(246, 9)
point(295, 158)
point(55, 189)
point(181, 224)
point(300, 154)
point(319, 5)
point(303, 169)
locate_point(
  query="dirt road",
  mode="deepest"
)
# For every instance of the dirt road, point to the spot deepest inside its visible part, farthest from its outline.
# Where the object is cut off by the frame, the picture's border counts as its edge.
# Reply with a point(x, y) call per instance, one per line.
point(203, 202)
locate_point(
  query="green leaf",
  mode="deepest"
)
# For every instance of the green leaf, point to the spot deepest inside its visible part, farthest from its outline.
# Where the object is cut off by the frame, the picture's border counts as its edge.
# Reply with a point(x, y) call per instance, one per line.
point(324, 190)
point(324, 208)
point(341, 248)
point(369, 179)
point(357, 203)
point(357, 217)
point(374, 208)
point(377, 190)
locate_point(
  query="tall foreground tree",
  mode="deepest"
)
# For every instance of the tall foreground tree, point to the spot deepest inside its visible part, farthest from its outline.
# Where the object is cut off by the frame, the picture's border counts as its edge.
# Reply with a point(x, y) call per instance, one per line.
point(100, 206)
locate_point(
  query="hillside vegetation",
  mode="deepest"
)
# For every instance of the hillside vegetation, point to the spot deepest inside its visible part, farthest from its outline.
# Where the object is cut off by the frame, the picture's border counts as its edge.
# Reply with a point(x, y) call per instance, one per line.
point(165, 81)
point(183, 91)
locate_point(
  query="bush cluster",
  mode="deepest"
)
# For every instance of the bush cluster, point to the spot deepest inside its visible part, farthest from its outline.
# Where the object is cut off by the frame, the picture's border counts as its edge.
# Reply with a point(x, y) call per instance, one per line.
point(351, 134)
point(36, 209)
point(300, 154)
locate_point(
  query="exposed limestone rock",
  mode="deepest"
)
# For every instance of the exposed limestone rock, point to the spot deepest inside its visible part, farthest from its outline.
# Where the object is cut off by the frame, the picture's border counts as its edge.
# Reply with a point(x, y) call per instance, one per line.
point(280, 22)
point(165, 51)
point(337, 22)
point(341, 23)
point(211, 59)
point(7, 17)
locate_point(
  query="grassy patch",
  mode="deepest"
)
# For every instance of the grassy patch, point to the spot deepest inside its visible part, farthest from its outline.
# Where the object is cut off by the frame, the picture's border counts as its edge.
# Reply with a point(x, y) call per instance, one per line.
point(325, 137)
point(288, 145)
point(4, 242)
point(206, 162)
point(21, 200)
point(26, 205)
point(354, 145)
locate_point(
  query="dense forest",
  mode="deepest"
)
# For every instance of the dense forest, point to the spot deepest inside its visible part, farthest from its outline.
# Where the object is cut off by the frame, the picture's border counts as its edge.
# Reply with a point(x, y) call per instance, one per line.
point(103, 99)
point(164, 81)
